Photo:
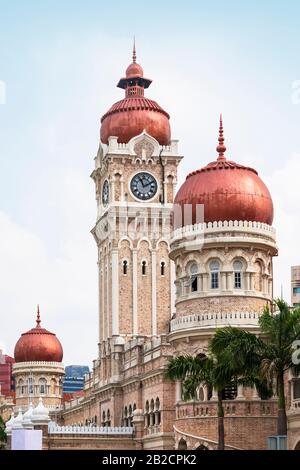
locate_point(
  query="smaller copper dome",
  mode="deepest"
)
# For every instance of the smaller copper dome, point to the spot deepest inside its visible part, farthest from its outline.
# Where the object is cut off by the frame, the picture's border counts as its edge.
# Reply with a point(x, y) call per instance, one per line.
point(134, 70)
point(38, 344)
point(227, 190)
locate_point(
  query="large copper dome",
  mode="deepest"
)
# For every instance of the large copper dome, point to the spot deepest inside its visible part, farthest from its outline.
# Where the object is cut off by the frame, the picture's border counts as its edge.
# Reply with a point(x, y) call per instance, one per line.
point(38, 344)
point(135, 113)
point(228, 191)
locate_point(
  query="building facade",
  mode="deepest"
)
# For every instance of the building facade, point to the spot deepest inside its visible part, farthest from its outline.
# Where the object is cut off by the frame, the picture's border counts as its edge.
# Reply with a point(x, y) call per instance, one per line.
point(172, 268)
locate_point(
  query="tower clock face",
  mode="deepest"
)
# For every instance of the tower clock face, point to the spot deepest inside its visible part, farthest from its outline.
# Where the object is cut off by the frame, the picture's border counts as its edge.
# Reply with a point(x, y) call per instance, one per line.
point(105, 193)
point(143, 186)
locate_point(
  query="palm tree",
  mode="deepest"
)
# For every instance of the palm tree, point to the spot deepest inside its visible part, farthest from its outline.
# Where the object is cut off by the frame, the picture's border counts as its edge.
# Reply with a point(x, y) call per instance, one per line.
point(193, 371)
point(2, 433)
point(266, 357)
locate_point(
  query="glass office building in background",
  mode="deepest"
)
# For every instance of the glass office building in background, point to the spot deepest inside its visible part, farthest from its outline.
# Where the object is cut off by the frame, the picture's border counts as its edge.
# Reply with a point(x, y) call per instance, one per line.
point(74, 378)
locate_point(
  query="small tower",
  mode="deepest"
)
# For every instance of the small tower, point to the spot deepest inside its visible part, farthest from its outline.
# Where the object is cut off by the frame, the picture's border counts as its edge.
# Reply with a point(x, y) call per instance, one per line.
point(38, 369)
point(223, 259)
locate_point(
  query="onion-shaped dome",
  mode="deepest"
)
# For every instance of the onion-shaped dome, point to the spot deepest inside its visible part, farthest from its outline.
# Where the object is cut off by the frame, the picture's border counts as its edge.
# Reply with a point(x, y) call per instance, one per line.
point(18, 421)
point(27, 417)
point(9, 424)
point(40, 412)
point(135, 113)
point(38, 344)
point(227, 190)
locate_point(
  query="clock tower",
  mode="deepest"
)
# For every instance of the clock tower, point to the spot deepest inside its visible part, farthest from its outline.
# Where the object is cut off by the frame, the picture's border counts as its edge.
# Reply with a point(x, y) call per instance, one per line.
point(135, 176)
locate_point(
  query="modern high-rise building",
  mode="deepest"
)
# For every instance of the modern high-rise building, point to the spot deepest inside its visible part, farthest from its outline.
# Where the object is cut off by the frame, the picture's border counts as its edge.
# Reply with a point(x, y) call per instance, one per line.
point(295, 285)
point(74, 378)
point(6, 379)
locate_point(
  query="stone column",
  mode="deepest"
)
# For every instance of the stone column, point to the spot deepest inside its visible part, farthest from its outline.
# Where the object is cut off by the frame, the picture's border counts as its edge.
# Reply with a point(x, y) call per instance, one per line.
point(134, 293)
point(251, 281)
point(205, 282)
point(178, 391)
point(107, 296)
point(122, 189)
point(214, 395)
point(230, 280)
point(153, 293)
point(138, 425)
point(223, 281)
point(113, 190)
point(115, 292)
point(246, 281)
point(172, 285)
point(240, 392)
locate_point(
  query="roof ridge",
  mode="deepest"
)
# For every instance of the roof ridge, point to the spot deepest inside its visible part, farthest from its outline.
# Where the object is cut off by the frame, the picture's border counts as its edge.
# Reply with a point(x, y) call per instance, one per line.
point(134, 103)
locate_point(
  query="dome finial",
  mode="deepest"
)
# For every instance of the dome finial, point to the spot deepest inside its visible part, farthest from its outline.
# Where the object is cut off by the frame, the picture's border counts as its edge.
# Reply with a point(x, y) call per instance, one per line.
point(38, 318)
point(134, 51)
point(221, 149)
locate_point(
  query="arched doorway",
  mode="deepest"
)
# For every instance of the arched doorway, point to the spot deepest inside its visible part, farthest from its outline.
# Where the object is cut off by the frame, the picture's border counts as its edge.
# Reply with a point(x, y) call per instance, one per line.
point(182, 445)
point(202, 447)
point(297, 447)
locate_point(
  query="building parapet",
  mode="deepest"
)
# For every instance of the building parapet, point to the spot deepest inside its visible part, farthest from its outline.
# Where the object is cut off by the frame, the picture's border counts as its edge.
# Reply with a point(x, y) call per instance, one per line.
point(214, 320)
point(37, 364)
point(54, 428)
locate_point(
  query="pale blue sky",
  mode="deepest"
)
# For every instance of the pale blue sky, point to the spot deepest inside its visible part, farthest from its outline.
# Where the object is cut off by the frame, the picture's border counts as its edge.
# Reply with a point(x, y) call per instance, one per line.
point(60, 62)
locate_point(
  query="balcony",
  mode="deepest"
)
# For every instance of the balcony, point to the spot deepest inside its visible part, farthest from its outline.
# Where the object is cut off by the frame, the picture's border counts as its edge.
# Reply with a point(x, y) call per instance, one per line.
point(204, 321)
point(232, 408)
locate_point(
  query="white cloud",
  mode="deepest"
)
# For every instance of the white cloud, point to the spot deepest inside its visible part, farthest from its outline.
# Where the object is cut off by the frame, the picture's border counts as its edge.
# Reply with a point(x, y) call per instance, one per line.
point(64, 286)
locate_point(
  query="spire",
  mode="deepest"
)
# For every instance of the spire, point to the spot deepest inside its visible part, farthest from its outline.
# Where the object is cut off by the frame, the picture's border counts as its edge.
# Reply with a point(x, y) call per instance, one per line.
point(38, 318)
point(221, 149)
point(134, 52)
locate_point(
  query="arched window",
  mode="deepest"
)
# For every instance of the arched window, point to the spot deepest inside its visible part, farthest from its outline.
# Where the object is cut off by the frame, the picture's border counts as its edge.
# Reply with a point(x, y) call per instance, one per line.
point(53, 387)
point(42, 385)
point(130, 415)
point(103, 418)
point(144, 265)
point(214, 267)
point(21, 387)
point(125, 266)
point(194, 279)
point(147, 415)
point(237, 268)
point(182, 445)
point(125, 416)
point(201, 394)
point(258, 276)
point(157, 411)
point(30, 385)
point(162, 268)
point(202, 447)
point(108, 418)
